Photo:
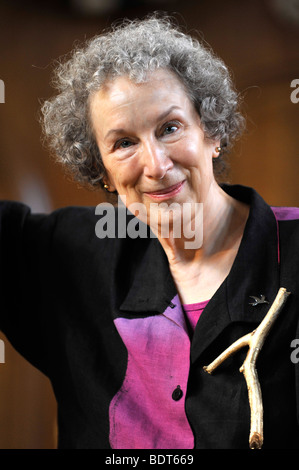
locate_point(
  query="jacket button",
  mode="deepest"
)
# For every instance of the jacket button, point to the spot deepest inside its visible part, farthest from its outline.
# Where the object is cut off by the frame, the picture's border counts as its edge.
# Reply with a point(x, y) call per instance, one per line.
point(177, 393)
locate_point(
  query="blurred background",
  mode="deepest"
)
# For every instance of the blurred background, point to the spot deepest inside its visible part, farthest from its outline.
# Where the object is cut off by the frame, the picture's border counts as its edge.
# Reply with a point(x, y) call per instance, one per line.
point(257, 39)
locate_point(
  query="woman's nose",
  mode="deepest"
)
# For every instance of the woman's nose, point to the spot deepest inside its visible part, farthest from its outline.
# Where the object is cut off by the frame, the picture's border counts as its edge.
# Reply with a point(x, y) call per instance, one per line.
point(156, 160)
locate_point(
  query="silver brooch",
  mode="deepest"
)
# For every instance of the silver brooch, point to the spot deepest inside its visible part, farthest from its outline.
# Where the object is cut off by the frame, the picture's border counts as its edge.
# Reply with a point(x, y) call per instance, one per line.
point(258, 300)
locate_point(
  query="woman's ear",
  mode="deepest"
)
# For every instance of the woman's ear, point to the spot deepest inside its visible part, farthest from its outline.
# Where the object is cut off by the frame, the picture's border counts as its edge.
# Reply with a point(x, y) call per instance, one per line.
point(107, 185)
point(217, 150)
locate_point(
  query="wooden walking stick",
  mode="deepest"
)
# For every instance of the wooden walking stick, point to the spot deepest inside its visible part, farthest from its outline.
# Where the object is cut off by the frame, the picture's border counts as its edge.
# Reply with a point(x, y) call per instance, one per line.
point(254, 341)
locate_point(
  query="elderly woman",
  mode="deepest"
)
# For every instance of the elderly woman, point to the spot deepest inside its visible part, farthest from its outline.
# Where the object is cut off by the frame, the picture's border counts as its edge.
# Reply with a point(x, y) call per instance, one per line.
point(124, 325)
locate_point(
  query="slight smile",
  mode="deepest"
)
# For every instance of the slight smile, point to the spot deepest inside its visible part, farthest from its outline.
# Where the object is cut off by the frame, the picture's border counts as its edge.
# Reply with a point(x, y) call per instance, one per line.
point(166, 193)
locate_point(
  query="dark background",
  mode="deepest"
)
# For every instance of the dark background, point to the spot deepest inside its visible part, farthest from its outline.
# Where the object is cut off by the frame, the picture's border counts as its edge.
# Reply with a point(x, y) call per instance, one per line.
point(258, 40)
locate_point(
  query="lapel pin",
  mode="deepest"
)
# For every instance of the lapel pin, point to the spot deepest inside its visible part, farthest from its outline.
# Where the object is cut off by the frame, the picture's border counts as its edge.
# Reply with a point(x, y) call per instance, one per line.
point(258, 300)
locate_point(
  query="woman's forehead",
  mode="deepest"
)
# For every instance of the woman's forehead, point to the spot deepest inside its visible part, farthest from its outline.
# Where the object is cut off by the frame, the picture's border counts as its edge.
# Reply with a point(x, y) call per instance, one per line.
point(162, 88)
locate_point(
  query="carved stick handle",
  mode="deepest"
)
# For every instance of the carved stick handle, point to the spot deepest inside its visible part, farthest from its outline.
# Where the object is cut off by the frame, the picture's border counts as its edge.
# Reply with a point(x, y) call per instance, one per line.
point(255, 341)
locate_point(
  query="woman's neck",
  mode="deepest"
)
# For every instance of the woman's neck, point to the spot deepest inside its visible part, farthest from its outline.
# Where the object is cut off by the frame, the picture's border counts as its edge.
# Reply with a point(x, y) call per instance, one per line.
point(198, 272)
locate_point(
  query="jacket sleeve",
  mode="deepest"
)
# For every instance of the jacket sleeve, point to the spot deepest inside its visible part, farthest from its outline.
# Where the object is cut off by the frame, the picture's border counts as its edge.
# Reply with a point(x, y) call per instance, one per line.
point(25, 247)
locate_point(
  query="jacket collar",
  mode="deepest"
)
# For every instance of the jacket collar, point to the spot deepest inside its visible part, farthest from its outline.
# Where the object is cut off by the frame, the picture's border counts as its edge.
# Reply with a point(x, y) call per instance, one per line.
point(255, 272)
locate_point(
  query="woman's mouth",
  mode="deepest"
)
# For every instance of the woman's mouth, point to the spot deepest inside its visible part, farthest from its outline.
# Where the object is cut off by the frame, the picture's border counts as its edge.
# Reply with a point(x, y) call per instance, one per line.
point(166, 193)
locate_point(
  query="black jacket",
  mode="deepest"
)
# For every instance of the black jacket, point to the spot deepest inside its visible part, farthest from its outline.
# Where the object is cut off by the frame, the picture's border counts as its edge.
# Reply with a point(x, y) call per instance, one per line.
point(62, 287)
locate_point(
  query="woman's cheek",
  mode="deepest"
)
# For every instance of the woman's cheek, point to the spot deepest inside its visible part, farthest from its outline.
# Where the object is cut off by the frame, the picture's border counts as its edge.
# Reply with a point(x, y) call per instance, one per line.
point(189, 153)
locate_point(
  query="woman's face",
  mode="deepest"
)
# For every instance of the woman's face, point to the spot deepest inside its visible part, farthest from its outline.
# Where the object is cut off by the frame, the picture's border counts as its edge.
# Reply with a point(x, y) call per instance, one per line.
point(151, 141)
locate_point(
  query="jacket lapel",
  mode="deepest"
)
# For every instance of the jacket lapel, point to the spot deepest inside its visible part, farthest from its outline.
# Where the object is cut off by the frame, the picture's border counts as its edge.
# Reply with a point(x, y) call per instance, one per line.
point(152, 288)
point(255, 272)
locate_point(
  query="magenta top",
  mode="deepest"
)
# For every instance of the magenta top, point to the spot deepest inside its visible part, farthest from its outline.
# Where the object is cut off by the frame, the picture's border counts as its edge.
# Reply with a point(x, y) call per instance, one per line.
point(193, 312)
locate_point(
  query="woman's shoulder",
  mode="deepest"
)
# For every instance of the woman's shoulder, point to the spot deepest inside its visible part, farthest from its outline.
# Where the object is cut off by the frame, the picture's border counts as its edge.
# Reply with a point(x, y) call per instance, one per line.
point(286, 213)
point(91, 223)
point(288, 233)
point(288, 225)
point(68, 225)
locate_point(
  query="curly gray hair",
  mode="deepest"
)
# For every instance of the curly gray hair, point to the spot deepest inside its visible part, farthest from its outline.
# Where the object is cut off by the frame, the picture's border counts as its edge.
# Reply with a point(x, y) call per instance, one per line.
point(135, 48)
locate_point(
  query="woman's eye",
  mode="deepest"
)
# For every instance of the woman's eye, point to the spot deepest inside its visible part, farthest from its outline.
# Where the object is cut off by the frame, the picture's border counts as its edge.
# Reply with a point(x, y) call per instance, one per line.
point(170, 129)
point(124, 144)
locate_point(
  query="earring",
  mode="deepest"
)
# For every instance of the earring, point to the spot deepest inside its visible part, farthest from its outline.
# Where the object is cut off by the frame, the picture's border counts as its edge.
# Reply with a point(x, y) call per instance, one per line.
point(106, 187)
point(218, 149)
